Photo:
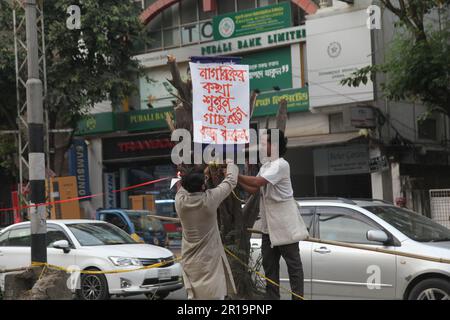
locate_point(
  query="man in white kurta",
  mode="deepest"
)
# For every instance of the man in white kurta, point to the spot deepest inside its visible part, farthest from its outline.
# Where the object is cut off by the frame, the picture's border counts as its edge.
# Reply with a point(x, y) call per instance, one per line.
point(206, 272)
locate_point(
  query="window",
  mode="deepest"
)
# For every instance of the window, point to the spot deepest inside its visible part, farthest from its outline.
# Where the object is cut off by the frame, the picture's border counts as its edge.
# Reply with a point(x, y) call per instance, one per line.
point(53, 235)
point(142, 222)
point(155, 40)
point(116, 220)
point(307, 214)
point(342, 224)
point(413, 225)
point(188, 11)
point(427, 129)
point(263, 3)
point(204, 15)
point(245, 4)
point(4, 239)
point(99, 234)
point(336, 122)
point(154, 33)
point(226, 6)
point(19, 237)
point(171, 17)
point(171, 37)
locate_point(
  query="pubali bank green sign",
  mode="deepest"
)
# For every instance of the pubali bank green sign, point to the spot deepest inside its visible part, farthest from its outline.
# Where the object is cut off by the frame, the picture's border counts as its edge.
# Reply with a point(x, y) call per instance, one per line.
point(253, 42)
point(93, 124)
point(252, 21)
point(142, 120)
point(267, 103)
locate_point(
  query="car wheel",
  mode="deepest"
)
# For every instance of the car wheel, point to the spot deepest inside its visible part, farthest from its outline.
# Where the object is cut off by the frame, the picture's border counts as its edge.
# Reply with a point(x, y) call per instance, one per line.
point(431, 289)
point(159, 295)
point(93, 287)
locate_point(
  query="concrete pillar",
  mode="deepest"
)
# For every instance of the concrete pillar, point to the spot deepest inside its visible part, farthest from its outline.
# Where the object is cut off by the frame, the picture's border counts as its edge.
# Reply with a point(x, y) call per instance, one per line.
point(95, 175)
point(123, 173)
point(396, 181)
point(381, 181)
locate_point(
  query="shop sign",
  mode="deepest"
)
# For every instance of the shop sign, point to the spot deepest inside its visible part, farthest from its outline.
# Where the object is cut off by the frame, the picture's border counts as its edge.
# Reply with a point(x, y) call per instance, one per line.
point(268, 39)
point(265, 40)
point(96, 123)
point(267, 103)
point(339, 161)
point(270, 68)
point(252, 21)
point(79, 166)
point(109, 182)
point(142, 120)
point(193, 33)
point(137, 146)
point(378, 164)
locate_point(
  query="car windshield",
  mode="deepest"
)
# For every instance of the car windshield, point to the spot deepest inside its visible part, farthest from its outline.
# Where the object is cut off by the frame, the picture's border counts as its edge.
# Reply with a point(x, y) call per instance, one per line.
point(142, 222)
point(99, 234)
point(413, 225)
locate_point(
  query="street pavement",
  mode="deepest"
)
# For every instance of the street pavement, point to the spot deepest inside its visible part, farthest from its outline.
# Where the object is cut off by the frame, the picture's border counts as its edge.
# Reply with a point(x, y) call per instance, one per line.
point(181, 293)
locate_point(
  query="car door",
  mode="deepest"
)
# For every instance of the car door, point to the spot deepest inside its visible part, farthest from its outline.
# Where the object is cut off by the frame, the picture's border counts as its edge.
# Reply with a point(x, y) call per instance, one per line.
point(57, 256)
point(15, 251)
point(305, 247)
point(344, 273)
point(305, 254)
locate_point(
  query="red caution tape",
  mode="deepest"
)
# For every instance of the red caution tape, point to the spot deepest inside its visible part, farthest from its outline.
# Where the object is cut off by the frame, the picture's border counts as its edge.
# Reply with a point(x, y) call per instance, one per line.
point(84, 197)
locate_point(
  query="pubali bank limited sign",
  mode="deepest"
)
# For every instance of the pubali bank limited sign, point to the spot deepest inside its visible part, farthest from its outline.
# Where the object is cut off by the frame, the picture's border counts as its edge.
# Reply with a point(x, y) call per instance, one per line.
point(257, 41)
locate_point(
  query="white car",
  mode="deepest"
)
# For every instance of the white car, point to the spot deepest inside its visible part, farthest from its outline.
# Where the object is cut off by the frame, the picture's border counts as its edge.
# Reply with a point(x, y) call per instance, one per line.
point(336, 272)
point(96, 245)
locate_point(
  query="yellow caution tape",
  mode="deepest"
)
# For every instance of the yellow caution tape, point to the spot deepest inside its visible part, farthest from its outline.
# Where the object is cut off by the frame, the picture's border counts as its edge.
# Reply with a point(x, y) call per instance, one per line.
point(261, 275)
point(235, 195)
point(51, 266)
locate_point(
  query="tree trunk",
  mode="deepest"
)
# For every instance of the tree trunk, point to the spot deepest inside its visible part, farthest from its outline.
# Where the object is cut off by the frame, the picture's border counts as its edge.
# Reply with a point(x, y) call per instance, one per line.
point(232, 218)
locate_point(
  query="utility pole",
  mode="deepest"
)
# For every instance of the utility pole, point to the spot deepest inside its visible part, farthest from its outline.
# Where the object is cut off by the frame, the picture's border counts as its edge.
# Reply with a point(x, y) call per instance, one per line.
point(36, 155)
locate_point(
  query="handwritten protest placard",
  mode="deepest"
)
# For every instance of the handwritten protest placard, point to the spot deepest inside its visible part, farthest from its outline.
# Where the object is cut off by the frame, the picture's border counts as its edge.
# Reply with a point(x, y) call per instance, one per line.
point(221, 94)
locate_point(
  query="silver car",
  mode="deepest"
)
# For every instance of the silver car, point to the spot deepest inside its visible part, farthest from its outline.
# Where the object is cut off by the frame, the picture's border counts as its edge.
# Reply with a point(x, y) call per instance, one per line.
point(336, 272)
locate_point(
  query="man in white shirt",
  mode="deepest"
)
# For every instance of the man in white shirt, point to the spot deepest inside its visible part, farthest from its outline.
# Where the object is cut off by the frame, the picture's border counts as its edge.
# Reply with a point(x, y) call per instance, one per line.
point(282, 225)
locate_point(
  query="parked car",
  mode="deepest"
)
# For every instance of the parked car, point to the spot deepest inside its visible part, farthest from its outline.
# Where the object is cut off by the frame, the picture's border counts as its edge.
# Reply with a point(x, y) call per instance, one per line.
point(137, 223)
point(96, 245)
point(336, 272)
point(166, 208)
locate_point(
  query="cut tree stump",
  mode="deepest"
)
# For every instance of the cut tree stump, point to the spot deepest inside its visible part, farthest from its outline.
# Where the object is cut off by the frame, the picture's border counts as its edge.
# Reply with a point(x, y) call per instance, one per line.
point(27, 285)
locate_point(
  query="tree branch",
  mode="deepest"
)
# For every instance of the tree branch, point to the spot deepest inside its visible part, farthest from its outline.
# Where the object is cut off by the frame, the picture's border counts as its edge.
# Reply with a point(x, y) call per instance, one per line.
point(177, 82)
point(282, 115)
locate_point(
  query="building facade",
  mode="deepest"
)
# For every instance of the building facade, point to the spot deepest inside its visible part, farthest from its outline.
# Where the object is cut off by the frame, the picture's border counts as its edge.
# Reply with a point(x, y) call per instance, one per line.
point(346, 142)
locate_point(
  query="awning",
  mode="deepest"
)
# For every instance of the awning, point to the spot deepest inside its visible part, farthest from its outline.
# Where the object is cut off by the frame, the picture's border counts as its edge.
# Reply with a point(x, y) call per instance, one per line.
point(322, 139)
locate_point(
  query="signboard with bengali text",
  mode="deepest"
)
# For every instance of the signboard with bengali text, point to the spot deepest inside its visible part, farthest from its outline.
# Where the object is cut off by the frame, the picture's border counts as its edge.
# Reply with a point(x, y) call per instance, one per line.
point(221, 95)
point(252, 21)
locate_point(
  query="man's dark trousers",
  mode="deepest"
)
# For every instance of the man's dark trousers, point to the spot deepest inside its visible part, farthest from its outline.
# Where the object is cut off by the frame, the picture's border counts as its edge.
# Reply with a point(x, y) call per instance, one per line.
point(271, 265)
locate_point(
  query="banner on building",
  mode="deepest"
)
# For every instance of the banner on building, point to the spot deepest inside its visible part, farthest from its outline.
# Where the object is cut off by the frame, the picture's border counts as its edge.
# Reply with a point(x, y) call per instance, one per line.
point(270, 68)
point(109, 182)
point(267, 103)
point(79, 166)
point(221, 96)
point(252, 21)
